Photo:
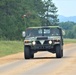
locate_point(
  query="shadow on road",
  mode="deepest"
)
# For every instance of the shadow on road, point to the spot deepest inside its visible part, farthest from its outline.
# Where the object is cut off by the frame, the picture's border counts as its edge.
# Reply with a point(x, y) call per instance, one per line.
point(65, 57)
point(45, 58)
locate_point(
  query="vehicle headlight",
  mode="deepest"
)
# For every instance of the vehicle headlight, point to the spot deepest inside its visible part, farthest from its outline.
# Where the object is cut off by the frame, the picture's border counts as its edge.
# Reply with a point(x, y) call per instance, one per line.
point(50, 42)
point(26, 41)
point(33, 42)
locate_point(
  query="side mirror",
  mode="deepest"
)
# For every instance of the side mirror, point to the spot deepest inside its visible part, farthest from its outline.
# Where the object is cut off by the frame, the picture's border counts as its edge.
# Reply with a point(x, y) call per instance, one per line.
point(63, 32)
point(23, 34)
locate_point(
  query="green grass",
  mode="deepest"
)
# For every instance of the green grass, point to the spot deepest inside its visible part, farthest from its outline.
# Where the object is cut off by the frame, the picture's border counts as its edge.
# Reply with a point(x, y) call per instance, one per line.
point(10, 47)
point(69, 41)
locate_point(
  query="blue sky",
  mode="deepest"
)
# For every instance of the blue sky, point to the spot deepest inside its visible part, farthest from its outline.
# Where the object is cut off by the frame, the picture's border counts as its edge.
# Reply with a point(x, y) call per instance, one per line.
point(66, 7)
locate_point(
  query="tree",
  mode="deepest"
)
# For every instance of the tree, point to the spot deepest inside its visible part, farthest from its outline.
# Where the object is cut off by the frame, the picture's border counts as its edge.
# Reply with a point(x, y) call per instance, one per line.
point(70, 29)
point(12, 22)
point(48, 13)
point(74, 31)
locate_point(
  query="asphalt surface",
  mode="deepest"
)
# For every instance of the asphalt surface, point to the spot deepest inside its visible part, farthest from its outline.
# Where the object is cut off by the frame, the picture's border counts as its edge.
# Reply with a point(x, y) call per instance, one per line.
point(44, 63)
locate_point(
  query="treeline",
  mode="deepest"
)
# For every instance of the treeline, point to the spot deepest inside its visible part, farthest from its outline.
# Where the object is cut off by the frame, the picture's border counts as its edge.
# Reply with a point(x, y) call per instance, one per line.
point(12, 19)
point(70, 29)
point(17, 15)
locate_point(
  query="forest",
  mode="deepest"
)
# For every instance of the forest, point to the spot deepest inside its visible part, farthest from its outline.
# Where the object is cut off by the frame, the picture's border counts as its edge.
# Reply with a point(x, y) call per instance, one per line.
point(17, 15)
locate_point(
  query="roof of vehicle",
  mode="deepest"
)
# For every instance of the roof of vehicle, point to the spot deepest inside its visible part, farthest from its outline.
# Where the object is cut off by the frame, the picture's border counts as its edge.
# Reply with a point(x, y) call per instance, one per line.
point(45, 27)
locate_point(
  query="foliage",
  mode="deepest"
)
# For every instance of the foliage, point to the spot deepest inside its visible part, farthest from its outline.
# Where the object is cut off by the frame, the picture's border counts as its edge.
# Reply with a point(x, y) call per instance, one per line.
point(49, 13)
point(12, 21)
point(70, 29)
point(17, 15)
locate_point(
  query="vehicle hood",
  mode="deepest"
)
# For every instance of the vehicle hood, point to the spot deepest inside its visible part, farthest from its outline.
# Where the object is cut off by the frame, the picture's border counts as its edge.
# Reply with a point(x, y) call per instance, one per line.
point(43, 38)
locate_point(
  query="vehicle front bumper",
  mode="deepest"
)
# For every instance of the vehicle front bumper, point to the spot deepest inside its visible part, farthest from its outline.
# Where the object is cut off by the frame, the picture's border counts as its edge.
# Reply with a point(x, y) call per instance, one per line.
point(41, 47)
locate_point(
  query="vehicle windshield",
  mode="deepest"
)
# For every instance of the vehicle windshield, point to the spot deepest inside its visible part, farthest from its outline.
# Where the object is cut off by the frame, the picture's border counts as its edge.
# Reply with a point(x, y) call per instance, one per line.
point(42, 32)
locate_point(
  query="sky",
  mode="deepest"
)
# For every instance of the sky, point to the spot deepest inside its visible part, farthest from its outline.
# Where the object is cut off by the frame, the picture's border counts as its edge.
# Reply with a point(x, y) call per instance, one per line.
point(66, 7)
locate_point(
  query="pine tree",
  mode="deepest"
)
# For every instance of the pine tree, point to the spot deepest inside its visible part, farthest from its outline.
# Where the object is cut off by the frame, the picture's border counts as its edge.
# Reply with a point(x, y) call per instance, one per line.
point(50, 13)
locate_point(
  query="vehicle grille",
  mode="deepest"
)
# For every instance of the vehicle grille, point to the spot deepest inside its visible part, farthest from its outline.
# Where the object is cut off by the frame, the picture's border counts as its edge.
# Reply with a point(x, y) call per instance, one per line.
point(39, 43)
point(46, 42)
point(42, 38)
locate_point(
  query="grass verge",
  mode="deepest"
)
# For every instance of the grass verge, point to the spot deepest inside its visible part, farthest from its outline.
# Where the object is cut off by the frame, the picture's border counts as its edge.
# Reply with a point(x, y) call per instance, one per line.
point(69, 41)
point(12, 47)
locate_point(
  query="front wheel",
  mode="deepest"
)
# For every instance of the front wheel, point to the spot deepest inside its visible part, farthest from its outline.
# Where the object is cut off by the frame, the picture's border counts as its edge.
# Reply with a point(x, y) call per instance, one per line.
point(27, 53)
point(59, 51)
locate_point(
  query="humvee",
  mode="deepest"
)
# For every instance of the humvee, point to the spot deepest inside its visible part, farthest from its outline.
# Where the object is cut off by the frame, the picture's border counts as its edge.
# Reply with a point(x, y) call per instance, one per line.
point(47, 38)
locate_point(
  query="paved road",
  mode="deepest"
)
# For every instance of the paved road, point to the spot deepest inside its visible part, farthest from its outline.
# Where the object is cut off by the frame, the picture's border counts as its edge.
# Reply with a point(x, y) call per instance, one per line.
point(44, 63)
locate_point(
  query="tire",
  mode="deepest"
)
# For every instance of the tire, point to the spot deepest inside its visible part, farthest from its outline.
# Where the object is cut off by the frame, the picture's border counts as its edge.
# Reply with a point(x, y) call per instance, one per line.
point(27, 53)
point(59, 51)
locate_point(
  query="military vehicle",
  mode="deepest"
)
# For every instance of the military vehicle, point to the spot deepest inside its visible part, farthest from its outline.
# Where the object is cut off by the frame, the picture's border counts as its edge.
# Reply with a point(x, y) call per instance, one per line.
point(46, 38)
